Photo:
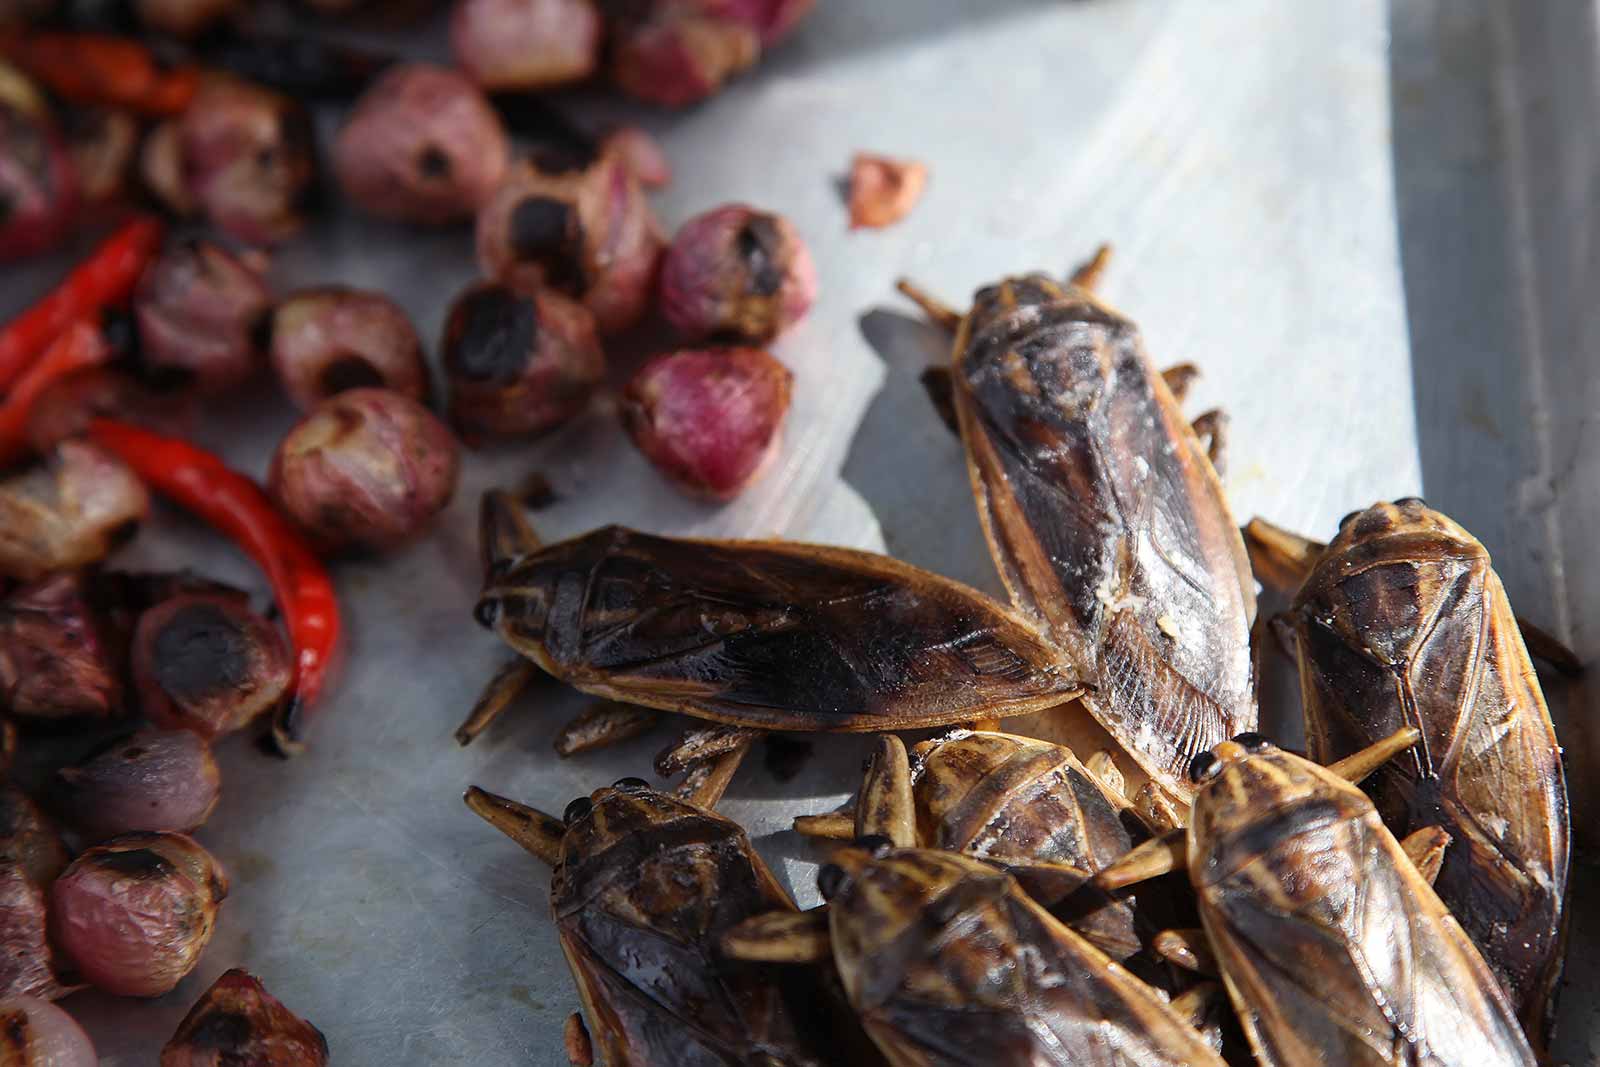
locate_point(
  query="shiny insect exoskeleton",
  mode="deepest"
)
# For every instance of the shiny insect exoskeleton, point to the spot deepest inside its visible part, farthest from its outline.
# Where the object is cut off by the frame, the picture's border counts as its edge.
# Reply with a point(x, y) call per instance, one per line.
point(644, 887)
point(948, 962)
point(1023, 803)
point(764, 634)
point(1403, 622)
point(1105, 515)
point(1333, 947)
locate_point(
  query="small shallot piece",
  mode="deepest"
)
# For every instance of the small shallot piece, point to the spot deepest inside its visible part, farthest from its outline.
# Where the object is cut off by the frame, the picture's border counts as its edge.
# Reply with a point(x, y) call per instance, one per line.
point(27, 961)
point(643, 155)
point(735, 272)
point(526, 44)
point(237, 1023)
point(206, 662)
point(422, 145)
point(68, 509)
point(198, 306)
point(29, 840)
point(59, 660)
point(135, 913)
point(333, 338)
point(882, 190)
point(709, 419)
point(675, 54)
point(581, 227)
point(518, 365)
point(367, 470)
point(66, 407)
point(36, 1033)
point(38, 188)
point(153, 780)
point(241, 155)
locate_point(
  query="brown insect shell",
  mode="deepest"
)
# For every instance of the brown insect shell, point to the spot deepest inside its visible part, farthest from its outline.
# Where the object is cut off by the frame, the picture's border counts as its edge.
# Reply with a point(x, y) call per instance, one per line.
point(948, 962)
point(1404, 623)
point(1106, 520)
point(645, 887)
point(769, 634)
point(1332, 946)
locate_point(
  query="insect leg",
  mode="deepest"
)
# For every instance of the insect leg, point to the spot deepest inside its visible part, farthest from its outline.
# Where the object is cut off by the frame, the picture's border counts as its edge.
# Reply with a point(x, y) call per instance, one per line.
point(529, 827)
point(701, 744)
point(708, 780)
point(1281, 559)
point(504, 533)
point(1087, 275)
point(1153, 805)
point(885, 806)
point(1188, 949)
point(575, 1036)
point(1199, 1006)
point(1179, 377)
point(781, 937)
point(604, 723)
point(941, 313)
point(1358, 765)
point(508, 682)
point(1157, 856)
point(1213, 426)
point(1425, 849)
point(1103, 766)
point(1546, 646)
point(837, 825)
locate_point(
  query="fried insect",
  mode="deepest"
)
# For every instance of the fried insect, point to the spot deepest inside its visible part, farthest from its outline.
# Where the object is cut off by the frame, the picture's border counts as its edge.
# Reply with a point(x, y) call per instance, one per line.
point(947, 961)
point(644, 888)
point(1105, 515)
point(1025, 804)
point(1402, 621)
point(765, 634)
point(1333, 947)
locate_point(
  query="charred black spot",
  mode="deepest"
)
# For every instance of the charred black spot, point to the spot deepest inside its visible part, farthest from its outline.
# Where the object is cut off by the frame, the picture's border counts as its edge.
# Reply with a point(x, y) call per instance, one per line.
point(758, 244)
point(548, 232)
point(200, 652)
point(493, 334)
point(348, 372)
point(138, 863)
point(223, 1031)
point(14, 1037)
point(433, 164)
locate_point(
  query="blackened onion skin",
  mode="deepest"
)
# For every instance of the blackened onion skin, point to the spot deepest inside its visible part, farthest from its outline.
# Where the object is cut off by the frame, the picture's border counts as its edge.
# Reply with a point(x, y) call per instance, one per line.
point(237, 1023)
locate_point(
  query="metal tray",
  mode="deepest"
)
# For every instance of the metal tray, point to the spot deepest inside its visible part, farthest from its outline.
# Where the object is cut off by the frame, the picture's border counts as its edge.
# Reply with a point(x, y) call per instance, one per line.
point(1369, 226)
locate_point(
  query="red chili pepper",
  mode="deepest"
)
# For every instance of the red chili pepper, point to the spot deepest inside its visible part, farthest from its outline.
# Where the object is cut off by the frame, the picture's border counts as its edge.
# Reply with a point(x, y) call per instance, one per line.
point(82, 345)
point(96, 68)
point(235, 505)
point(105, 278)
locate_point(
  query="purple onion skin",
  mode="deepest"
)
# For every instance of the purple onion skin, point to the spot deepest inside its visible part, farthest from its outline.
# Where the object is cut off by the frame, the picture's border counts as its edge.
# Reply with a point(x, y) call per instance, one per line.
point(66, 407)
point(68, 509)
point(29, 839)
point(135, 914)
point(330, 339)
point(526, 44)
point(710, 420)
point(422, 145)
point(154, 780)
point(38, 186)
point(237, 1023)
point(205, 662)
point(367, 470)
point(36, 1033)
point(518, 365)
point(243, 156)
point(677, 54)
point(198, 307)
point(587, 232)
point(738, 273)
point(59, 658)
point(27, 961)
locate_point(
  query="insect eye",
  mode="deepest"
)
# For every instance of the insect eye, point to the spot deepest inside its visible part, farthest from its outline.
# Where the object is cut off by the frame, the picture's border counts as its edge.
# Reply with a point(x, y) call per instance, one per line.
point(1252, 742)
point(1203, 766)
point(577, 810)
point(831, 880)
point(630, 784)
point(877, 844)
point(1411, 501)
point(1346, 520)
point(487, 612)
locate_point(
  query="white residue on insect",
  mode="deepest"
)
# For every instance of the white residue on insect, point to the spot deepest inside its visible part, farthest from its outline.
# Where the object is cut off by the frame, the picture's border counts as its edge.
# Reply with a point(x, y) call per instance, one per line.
point(1167, 626)
point(1115, 602)
point(1495, 824)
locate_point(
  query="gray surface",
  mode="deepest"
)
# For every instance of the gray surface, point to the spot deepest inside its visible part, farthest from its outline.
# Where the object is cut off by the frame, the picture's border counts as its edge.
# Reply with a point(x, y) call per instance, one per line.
point(1238, 154)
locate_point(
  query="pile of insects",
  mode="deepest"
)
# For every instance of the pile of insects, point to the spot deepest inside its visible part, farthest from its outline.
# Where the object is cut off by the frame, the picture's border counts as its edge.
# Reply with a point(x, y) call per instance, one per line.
point(1185, 892)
